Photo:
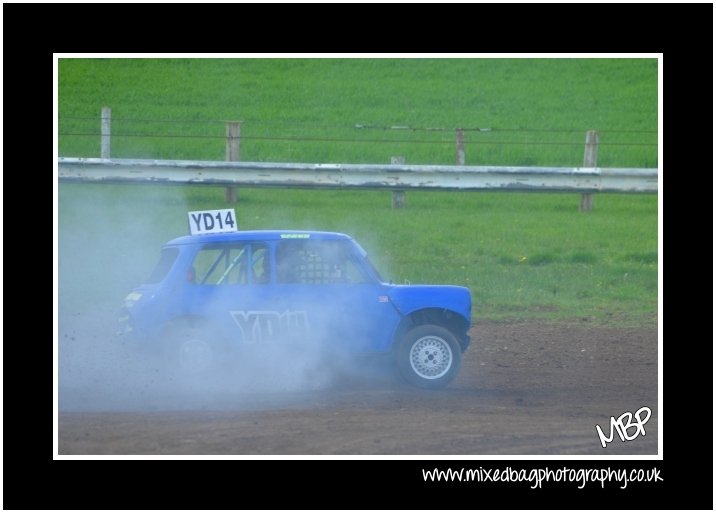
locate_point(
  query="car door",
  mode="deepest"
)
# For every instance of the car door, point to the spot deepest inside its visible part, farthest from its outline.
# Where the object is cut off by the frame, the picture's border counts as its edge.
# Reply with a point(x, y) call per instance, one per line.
point(344, 307)
point(230, 290)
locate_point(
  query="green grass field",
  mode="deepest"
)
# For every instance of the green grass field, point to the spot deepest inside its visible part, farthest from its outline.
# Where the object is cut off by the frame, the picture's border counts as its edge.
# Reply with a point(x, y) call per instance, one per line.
point(524, 255)
point(538, 110)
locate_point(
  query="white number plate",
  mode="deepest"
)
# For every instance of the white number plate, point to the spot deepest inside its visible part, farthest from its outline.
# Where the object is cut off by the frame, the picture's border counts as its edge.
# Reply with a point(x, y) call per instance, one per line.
point(212, 221)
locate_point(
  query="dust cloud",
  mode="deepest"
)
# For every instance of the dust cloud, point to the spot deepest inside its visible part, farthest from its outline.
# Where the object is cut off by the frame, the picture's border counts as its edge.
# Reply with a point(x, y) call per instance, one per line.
point(109, 239)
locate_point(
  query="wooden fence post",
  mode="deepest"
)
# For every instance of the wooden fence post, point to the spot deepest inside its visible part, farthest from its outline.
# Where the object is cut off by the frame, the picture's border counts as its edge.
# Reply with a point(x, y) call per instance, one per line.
point(590, 160)
point(398, 198)
point(106, 132)
point(459, 147)
point(233, 135)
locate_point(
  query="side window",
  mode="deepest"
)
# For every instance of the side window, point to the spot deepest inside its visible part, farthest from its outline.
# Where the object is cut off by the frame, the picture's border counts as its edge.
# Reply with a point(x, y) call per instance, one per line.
point(221, 264)
point(231, 264)
point(354, 273)
point(317, 262)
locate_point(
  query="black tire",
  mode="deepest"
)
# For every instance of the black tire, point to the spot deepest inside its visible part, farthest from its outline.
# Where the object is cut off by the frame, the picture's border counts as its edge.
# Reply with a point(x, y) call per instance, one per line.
point(190, 349)
point(428, 356)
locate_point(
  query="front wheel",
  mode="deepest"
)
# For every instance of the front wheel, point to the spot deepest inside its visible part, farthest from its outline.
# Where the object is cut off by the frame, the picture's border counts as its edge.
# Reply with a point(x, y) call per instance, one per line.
point(428, 356)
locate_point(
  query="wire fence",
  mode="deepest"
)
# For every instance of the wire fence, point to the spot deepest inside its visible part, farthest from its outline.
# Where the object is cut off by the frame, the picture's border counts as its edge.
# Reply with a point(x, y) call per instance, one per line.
point(95, 119)
point(298, 140)
point(341, 140)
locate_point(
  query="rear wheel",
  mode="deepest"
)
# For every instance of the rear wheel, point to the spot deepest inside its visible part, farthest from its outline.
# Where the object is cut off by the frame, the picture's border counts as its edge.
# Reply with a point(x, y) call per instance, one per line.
point(190, 348)
point(429, 356)
point(195, 355)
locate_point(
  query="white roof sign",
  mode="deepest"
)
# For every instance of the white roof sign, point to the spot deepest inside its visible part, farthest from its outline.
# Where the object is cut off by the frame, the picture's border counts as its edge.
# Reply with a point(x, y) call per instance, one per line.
point(212, 221)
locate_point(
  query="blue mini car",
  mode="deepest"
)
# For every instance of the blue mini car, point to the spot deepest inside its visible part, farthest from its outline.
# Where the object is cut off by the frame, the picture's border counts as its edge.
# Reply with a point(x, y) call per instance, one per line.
point(216, 294)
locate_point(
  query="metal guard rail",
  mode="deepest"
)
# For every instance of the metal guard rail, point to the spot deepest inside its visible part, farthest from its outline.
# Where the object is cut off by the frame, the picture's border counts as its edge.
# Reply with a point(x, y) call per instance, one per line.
point(364, 176)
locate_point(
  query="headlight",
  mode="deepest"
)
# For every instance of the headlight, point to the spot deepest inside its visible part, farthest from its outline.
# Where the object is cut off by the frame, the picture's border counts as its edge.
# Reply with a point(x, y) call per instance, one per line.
point(131, 298)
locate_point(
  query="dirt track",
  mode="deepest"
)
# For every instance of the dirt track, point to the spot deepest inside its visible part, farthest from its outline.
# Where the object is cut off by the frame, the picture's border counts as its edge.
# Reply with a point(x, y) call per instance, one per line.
point(524, 389)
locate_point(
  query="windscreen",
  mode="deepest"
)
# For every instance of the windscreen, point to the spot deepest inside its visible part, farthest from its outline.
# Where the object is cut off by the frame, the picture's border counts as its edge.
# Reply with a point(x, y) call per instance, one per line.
point(166, 261)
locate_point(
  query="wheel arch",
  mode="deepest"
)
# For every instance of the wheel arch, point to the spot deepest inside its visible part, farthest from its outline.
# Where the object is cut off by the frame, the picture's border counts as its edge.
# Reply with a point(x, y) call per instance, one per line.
point(448, 319)
point(197, 323)
point(189, 320)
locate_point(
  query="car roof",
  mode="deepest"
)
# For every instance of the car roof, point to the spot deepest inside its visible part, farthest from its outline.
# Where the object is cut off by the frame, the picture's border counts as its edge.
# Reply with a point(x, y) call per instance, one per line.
point(259, 235)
